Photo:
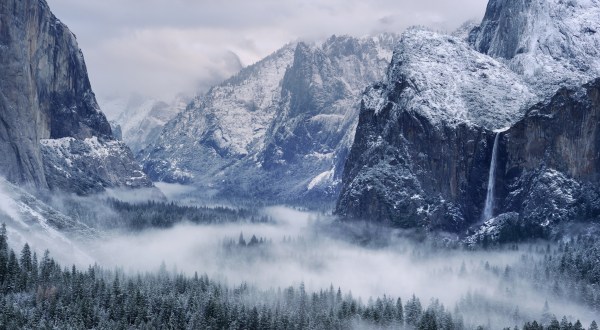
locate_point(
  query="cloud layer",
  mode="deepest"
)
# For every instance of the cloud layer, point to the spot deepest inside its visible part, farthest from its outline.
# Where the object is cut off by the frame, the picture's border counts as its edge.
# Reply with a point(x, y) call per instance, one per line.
point(162, 47)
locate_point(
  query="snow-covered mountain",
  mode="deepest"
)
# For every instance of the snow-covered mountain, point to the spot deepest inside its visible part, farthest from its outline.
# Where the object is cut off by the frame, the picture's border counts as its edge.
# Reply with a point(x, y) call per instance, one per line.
point(548, 42)
point(280, 128)
point(140, 120)
point(425, 139)
point(46, 95)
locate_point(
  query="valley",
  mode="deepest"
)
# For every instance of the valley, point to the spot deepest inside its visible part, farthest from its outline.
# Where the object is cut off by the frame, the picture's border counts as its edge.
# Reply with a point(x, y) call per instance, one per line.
point(413, 178)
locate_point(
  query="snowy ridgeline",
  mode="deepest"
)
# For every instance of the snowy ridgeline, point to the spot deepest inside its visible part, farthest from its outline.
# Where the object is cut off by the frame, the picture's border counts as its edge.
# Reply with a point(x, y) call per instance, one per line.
point(286, 121)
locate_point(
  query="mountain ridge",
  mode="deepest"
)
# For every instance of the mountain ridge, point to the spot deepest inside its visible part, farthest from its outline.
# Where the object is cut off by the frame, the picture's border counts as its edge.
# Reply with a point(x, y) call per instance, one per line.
point(254, 127)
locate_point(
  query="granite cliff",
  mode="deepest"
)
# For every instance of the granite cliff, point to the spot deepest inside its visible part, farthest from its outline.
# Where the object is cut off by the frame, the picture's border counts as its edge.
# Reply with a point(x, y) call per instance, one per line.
point(45, 95)
point(422, 155)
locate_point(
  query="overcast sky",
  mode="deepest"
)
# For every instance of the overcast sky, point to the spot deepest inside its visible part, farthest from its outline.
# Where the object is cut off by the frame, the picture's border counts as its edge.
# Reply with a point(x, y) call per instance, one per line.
point(162, 47)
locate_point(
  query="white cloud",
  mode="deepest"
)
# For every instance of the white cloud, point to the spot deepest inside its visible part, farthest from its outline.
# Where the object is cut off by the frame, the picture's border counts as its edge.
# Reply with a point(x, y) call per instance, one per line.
point(162, 47)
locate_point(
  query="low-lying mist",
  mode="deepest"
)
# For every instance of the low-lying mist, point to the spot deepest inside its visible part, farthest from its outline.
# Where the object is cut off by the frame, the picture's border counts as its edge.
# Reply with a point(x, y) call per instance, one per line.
point(296, 248)
point(278, 247)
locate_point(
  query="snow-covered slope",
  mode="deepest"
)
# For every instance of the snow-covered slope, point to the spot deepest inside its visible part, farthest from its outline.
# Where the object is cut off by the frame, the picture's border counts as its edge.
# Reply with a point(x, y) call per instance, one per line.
point(230, 121)
point(551, 43)
point(28, 220)
point(447, 81)
point(90, 165)
point(293, 112)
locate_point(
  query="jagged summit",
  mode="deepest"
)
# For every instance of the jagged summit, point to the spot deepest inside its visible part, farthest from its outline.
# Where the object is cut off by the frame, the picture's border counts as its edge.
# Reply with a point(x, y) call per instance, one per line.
point(293, 112)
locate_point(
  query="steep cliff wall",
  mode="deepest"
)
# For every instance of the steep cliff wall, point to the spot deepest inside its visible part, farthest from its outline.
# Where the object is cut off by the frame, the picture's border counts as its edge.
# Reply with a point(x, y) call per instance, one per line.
point(424, 142)
point(45, 92)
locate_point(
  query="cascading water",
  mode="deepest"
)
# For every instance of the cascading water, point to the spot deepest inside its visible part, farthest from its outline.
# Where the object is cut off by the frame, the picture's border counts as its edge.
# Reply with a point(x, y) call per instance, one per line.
point(488, 210)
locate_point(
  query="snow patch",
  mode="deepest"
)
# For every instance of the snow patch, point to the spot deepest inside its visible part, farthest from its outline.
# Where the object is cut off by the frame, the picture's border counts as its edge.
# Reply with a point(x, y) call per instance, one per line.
point(319, 179)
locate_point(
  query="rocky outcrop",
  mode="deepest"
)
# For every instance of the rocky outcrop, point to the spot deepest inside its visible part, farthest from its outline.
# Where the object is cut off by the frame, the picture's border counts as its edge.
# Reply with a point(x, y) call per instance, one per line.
point(550, 160)
point(278, 130)
point(423, 142)
point(45, 92)
point(423, 148)
point(90, 165)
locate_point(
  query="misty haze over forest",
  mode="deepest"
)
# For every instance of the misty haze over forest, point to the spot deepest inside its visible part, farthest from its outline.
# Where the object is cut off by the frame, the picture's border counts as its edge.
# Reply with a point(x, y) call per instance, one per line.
point(301, 165)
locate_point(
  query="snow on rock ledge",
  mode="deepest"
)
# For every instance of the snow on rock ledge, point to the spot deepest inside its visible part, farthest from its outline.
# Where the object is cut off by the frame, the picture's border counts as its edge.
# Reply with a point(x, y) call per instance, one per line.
point(90, 165)
point(444, 79)
point(552, 43)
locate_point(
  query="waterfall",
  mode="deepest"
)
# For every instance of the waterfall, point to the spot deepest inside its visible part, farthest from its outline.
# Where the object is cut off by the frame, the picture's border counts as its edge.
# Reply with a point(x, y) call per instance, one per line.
point(488, 211)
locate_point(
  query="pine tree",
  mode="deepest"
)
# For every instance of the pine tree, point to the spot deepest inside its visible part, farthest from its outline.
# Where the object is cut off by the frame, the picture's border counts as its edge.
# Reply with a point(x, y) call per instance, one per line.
point(554, 325)
point(565, 324)
point(428, 321)
point(413, 311)
point(399, 312)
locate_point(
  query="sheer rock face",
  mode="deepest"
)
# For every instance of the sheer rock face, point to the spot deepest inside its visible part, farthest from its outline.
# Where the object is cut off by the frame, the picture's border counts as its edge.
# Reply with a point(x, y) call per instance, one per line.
point(550, 160)
point(279, 129)
point(424, 141)
point(45, 92)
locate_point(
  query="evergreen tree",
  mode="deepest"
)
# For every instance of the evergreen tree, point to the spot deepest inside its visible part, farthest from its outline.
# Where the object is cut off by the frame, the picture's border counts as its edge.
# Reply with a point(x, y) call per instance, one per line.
point(428, 321)
point(413, 311)
point(399, 312)
point(554, 325)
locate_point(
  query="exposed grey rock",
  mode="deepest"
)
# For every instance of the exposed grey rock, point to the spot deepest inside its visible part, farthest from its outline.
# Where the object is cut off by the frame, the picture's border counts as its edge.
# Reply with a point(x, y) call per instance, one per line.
point(551, 43)
point(549, 168)
point(45, 94)
point(280, 129)
point(90, 165)
point(422, 151)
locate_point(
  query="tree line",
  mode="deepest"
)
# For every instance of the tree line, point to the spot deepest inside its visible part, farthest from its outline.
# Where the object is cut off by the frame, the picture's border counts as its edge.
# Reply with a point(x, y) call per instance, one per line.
point(41, 294)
